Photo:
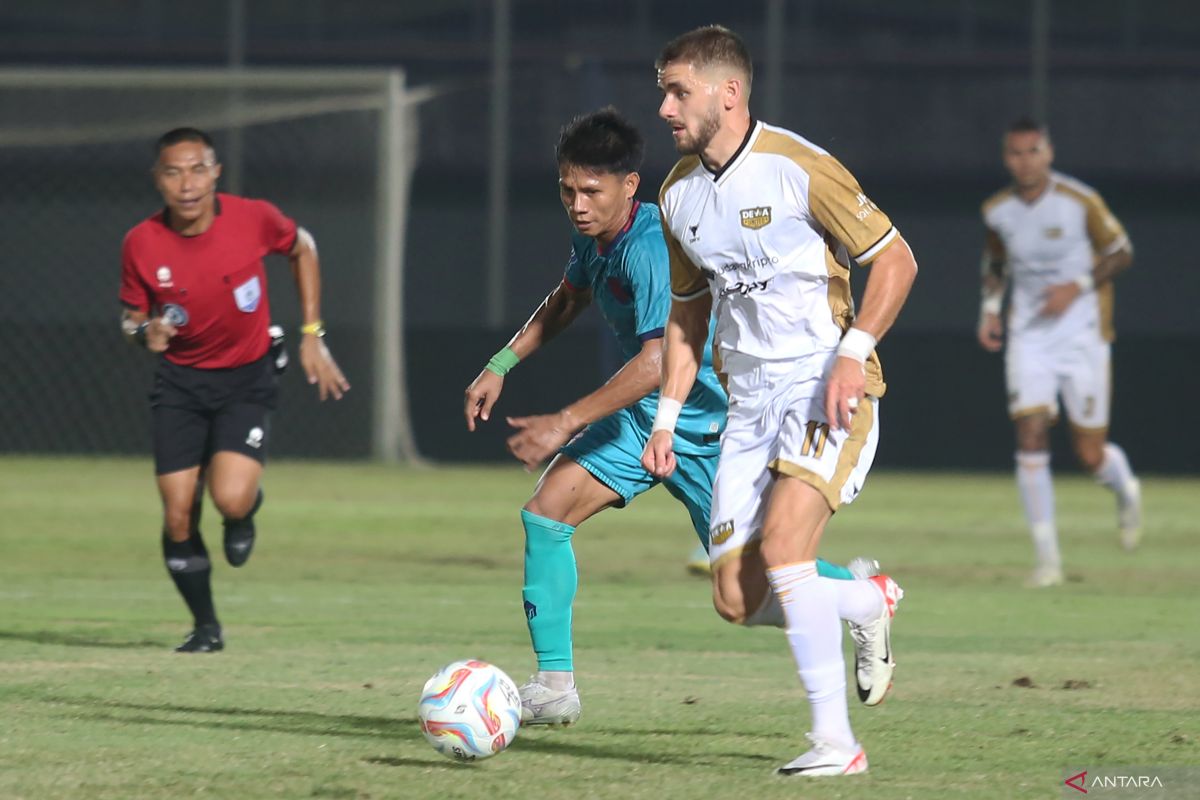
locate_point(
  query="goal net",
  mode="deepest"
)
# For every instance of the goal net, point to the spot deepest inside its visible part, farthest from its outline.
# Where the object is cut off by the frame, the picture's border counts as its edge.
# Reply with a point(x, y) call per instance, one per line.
point(334, 149)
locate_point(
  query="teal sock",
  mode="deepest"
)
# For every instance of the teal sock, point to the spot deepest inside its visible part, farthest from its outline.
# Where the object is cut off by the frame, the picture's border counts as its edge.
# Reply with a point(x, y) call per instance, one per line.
point(550, 582)
point(835, 571)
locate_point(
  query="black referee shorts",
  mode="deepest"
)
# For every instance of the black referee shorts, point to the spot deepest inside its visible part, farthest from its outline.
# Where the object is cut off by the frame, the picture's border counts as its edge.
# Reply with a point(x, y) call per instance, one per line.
point(198, 412)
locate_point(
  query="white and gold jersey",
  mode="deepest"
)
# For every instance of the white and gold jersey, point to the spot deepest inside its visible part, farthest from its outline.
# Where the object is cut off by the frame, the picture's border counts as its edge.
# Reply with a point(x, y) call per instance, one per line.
point(771, 236)
point(1054, 239)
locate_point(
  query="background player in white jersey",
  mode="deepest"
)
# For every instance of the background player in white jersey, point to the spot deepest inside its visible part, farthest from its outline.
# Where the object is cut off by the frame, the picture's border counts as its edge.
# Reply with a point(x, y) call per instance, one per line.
point(764, 223)
point(1057, 243)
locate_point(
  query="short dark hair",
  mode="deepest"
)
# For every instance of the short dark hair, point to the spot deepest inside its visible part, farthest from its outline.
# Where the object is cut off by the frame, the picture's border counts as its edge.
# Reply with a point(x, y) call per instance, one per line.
point(602, 140)
point(177, 135)
point(1027, 124)
point(703, 47)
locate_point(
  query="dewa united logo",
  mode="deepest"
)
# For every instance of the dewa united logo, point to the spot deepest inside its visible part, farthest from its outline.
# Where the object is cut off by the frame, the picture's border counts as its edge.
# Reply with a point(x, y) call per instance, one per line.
point(755, 218)
point(721, 532)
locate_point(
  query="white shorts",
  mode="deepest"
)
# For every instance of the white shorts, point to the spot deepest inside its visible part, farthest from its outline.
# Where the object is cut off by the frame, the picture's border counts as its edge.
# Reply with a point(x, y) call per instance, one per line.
point(1038, 373)
point(777, 423)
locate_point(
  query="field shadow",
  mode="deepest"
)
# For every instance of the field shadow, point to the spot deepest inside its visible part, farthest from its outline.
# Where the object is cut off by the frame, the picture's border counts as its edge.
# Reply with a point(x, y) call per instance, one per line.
point(311, 723)
point(636, 753)
point(306, 723)
point(423, 763)
point(559, 746)
point(78, 640)
point(456, 560)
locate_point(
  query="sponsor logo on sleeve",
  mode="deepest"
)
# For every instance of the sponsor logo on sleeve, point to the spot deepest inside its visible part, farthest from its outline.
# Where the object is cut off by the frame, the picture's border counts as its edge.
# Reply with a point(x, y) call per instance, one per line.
point(721, 532)
point(865, 207)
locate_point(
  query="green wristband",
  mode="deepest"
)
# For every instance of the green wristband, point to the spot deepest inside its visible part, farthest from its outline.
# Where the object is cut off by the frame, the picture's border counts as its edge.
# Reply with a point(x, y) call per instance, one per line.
point(503, 361)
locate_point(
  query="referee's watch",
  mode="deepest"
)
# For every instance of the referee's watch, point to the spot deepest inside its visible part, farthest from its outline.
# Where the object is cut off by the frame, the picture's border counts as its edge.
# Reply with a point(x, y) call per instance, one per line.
point(316, 328)
point(139, 333)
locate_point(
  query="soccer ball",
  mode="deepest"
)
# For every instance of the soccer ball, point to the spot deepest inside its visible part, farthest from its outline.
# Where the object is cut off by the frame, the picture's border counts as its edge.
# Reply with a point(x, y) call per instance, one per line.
point(469, 710)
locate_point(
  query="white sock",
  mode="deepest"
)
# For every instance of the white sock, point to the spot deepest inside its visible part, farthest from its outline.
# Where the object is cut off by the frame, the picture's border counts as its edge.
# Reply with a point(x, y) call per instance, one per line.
point(814, 634)
point(1114, 472)
point(858, 601)
point(1037, 496)
point(556, 679)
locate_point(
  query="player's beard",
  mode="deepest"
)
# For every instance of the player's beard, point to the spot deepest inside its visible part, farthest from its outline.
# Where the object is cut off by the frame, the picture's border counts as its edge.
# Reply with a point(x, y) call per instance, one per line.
point(708, 129)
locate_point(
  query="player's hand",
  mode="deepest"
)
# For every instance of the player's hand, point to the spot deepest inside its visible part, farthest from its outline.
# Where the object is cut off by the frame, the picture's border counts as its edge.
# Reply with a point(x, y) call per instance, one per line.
point(1059, 298)
point(538, 437)
point(659, 456)
point(321, 369)
point(991, 333)
point(158, 334)
point(480, 396)
point(845, 389)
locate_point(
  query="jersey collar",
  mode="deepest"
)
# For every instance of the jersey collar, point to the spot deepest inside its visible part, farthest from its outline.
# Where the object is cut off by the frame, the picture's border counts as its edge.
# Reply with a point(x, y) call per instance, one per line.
point(600, 251)
point(737, 154)
point(1051, 182)
point(166, 216)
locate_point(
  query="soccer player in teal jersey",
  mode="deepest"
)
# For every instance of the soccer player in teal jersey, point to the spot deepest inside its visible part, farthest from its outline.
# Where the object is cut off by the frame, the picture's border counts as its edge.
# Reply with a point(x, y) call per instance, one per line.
point(619, 261)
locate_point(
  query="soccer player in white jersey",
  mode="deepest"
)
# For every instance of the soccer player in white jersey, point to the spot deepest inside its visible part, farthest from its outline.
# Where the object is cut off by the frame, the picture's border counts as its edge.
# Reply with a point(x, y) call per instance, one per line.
point(1057, 243)
point(762, 226)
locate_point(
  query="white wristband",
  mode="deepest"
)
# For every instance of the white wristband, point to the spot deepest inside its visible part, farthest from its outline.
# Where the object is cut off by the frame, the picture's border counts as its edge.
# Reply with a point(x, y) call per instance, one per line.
point(856, 344)
point(991, 304)
point(1085, 282)
point(667, 415)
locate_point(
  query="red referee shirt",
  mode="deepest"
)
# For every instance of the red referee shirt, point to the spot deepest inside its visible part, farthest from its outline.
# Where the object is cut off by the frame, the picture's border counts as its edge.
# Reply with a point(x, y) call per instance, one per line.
point(217, 278)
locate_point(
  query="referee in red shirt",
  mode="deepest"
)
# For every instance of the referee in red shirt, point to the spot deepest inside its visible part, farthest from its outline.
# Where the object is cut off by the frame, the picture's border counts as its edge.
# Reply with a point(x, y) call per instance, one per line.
point(194, 290)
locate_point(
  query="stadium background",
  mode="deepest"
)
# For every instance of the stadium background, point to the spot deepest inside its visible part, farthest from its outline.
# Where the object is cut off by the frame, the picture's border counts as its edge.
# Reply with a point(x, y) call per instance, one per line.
point(911, 96)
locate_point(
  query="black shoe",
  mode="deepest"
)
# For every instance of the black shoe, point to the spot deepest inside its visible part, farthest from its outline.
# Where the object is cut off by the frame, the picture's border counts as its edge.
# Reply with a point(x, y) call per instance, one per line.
point(202, 639)
point(279, 354)
point(239, 536)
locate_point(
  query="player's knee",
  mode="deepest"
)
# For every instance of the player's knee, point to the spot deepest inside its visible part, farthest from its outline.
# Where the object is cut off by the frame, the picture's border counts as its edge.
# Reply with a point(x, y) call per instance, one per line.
point(728, 601)
point(177, 522)
point(1033, 433)
point(1090, 456)
point(234, 502)
point(778, 547)
point(539, 506)
point(1033, 441)
point(535, 506)
point(733, 612)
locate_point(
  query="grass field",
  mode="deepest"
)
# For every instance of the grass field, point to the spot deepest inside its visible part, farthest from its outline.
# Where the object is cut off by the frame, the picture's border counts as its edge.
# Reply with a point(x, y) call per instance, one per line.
point(366, 579)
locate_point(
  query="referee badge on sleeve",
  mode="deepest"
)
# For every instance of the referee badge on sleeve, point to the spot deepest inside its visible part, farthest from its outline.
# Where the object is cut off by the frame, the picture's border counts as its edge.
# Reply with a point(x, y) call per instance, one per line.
point(248, 295)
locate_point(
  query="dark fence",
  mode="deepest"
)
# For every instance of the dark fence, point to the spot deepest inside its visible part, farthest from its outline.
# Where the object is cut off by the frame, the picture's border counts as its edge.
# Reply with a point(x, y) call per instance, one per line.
point(945, 406)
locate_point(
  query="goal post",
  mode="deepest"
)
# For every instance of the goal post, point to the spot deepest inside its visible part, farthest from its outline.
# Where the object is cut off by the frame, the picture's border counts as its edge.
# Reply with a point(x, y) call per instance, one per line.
point(335, 148)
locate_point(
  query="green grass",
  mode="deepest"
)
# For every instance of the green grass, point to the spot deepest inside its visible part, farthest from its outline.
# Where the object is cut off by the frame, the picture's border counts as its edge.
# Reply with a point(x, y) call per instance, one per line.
point(366, 579)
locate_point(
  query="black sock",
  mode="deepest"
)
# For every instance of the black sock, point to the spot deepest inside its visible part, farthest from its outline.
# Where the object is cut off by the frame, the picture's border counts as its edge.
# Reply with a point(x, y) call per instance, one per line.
point(189, 567)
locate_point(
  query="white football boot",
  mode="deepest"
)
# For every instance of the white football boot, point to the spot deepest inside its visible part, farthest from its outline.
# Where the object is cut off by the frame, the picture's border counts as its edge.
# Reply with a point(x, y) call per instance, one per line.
point(1129, 515)
point(874, 661)
point(1045, 576)
point(825, 759)
point(541, 705)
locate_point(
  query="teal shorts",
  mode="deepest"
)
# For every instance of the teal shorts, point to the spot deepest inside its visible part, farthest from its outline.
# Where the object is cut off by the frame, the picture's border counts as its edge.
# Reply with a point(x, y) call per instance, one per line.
point(611, 450)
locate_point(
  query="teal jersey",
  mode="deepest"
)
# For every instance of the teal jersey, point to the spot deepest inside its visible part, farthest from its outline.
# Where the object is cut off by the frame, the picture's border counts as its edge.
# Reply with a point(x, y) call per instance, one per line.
point(630, 281)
